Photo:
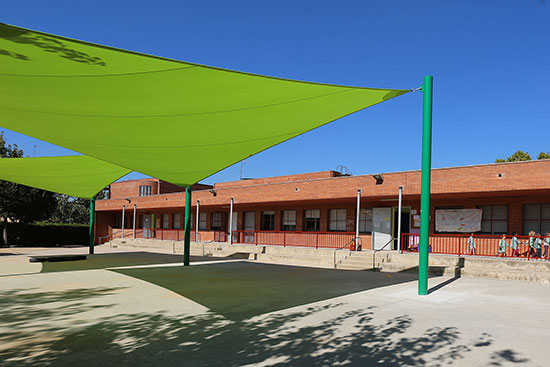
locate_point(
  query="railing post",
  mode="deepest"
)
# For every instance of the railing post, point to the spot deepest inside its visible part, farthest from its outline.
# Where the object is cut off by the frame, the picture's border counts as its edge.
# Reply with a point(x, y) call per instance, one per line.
point(317, 241)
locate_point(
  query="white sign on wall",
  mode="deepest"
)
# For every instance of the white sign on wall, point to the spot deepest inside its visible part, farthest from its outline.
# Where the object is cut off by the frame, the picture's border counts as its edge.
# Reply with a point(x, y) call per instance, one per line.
point(458, 220)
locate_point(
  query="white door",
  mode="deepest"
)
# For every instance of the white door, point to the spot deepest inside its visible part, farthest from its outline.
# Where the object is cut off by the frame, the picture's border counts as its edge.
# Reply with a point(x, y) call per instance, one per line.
point(381, 228)
point(146, 225)
point(249, 226)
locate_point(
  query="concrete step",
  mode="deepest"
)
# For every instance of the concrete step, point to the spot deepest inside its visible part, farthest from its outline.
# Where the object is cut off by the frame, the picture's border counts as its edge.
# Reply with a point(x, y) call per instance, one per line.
point(346, 266)
point(402, 268)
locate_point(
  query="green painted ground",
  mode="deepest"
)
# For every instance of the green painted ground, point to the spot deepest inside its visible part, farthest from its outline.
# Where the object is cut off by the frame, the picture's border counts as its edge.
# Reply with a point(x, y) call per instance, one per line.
point(104, 261)
point(240, 290)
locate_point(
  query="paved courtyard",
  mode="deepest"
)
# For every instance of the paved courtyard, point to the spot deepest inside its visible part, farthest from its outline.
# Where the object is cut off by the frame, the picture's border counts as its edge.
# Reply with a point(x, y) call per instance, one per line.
point(144, 309)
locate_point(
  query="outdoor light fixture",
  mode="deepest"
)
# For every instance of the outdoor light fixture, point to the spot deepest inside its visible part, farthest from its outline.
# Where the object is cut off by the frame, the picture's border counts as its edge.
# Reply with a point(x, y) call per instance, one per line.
point(128, 199)
point(213, 192)
point(379, 178)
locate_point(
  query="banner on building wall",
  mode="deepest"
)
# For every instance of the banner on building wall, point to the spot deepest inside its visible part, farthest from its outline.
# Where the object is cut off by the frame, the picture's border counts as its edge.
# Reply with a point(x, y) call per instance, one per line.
point(458, 220)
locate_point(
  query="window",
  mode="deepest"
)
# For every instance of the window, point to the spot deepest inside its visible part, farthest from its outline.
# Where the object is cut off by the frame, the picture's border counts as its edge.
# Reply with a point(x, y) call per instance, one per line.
point(217, 221)
point(145, 190)
point(268, 220)
point(118, 221)
point(536, 217)
point(165, 221)
point(176, 221)
point(494, 219)
point(337, 220)
point(312, 220)
point(202, 221)
point(365, 220)
point(289, 220)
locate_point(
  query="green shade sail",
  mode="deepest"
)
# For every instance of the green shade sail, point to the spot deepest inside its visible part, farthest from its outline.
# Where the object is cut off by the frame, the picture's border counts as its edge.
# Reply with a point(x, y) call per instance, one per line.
point(177, 121)
point(79, 176)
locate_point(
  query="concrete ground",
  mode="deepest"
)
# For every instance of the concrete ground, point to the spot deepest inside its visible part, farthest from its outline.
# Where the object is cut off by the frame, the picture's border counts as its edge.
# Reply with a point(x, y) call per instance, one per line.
point(240, 313)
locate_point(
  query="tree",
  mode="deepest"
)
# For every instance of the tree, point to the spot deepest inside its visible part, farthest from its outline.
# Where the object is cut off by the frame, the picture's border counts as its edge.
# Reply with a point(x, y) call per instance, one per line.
point(522, 156)
point(516, 157)
point(18, 202)
point(70, 210)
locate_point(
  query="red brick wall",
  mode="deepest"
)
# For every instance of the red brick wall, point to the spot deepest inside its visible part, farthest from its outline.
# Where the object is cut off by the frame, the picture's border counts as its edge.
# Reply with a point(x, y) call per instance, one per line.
point(519, 183)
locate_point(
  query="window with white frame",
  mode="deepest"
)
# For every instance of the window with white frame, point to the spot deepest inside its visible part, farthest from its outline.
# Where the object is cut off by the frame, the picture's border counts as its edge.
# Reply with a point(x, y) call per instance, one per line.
point(536, 217)
point(145, 190)
point(289, 220)
point(312, 220)
point(365, 220)
point(337, 220)
point(494, 219)
point(202, 221)
point(165, 221)
point(176, 221)
point(217, 221)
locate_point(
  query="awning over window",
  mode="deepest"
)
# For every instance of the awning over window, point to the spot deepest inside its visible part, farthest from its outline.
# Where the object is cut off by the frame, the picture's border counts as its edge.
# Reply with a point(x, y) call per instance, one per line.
point(177, 121)
point(79, 176)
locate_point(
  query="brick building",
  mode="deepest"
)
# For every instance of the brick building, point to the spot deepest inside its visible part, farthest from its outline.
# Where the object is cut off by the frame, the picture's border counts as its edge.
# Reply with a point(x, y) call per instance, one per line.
point(514, 197)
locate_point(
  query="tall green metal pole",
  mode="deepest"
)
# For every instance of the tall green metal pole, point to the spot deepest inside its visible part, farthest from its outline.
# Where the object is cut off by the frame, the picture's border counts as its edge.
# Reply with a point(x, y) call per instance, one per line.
point(426, 181)
point(92, 232)
point(187, 227)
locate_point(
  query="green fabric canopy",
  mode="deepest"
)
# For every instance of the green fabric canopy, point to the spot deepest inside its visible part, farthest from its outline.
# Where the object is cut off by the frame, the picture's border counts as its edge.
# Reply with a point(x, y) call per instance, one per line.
point(177, 121)
point(79, 176)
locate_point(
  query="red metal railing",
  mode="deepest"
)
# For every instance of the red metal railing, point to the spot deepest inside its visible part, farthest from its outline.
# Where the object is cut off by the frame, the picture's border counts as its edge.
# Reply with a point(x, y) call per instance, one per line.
point(286, 238)
point(166, 234)
point(457, 244)
point(280, 238)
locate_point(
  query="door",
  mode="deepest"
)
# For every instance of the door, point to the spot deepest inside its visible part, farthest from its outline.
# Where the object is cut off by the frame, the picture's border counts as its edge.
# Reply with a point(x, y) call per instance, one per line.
point(405, 223)
point(381, 228)
point(249, 226)
point(146, 225)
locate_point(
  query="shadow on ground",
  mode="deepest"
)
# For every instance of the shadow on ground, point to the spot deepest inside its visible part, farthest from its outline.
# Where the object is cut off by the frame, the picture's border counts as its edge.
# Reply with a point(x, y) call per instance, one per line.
point(316, 336)
point(240, 290)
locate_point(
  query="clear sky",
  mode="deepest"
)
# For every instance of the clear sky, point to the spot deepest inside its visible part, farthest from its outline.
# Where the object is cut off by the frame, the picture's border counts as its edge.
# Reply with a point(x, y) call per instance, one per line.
point(490, 60)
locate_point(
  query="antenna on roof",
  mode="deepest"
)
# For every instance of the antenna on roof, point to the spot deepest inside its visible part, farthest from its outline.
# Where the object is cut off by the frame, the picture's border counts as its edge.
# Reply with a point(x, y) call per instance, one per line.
point(344, 171)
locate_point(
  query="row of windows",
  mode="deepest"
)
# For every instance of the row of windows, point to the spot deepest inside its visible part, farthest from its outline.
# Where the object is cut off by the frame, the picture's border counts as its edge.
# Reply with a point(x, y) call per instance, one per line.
point(536, 217)
point(311, 222)
point(494, 218)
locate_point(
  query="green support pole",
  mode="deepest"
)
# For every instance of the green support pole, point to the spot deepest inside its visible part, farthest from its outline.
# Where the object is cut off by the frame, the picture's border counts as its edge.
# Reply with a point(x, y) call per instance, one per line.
point(92, 232)
point(187, 227)
point(426, 181)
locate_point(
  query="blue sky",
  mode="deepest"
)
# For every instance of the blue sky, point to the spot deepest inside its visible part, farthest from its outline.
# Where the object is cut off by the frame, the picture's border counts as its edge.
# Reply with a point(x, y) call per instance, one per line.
point(490, 60)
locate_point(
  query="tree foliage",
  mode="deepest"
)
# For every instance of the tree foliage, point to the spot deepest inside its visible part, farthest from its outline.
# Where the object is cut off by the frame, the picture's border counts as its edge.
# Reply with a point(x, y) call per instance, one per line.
point(543, 155)
point(516, 157)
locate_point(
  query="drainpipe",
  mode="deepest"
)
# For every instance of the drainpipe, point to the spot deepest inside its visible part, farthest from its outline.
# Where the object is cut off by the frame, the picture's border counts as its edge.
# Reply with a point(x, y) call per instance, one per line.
point(399, 218)
point(197, 223)
point(231, 222)
point(123, 212)
point(357, 220)
point(135, 207)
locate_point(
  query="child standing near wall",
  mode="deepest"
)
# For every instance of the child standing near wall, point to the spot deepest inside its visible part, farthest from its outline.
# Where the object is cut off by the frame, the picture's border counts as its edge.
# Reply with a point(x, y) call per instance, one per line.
point(471, 245)
point(514, 244)
point(502, 246)
point(546, 244)
point(530, 243)
point(538, 245)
